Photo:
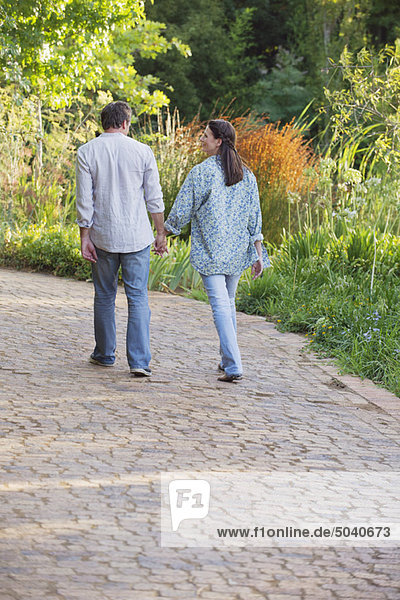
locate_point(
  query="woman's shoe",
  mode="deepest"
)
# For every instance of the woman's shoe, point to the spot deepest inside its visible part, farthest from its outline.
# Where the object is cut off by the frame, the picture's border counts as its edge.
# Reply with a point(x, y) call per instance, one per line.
point(230, 378)
point(95, 361)
point(139, 372)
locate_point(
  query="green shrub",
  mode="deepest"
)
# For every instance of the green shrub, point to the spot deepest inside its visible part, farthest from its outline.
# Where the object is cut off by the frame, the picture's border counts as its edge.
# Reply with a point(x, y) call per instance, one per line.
point(56, 249)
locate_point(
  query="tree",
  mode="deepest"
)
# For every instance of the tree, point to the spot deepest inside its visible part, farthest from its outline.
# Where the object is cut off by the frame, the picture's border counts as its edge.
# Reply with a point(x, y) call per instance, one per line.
point(366, 108)
point(282, 93)
point(383, 22)
point(118, 64)
point(48, 46)
point(221, 66)
point(57, 50)
point(320, 29)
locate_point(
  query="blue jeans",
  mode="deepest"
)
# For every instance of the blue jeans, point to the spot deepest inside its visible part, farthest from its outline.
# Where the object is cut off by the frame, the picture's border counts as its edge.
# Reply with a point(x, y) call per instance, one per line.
point(221, 290)
point(135, 274)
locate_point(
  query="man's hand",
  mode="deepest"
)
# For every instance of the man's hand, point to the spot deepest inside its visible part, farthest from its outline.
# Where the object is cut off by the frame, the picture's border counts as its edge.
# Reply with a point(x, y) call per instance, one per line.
point(87, 247)
point(160, 244)
point(257, 269)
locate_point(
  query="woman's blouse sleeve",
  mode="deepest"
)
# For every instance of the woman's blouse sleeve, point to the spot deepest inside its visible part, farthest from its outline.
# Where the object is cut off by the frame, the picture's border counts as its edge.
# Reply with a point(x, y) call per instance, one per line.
point(255, 219)
point(182, 210)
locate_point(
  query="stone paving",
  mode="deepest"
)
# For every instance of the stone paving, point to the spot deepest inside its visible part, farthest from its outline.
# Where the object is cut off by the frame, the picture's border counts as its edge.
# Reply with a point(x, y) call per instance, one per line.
point(83, 446)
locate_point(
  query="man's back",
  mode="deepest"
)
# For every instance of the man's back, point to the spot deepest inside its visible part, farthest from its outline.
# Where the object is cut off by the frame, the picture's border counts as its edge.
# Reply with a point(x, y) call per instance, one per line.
point(117, 179)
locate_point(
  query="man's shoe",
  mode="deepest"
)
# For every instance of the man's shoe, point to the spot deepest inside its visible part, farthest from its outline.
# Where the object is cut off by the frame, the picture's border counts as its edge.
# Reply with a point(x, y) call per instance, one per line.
point(95, 361)
point(220, 367)
point(230, 378)
point(137, 372)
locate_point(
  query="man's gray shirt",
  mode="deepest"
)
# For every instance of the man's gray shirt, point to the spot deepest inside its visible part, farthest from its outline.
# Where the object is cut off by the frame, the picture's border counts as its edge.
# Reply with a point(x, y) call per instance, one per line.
point(117, 182)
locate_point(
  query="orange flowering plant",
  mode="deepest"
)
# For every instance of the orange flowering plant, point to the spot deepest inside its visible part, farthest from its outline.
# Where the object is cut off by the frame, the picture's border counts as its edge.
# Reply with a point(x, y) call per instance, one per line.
point(283, 162)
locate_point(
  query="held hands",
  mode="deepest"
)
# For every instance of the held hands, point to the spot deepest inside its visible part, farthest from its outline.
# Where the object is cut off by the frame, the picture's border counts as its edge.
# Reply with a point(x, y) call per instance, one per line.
point(257, 269)
point(160, 244)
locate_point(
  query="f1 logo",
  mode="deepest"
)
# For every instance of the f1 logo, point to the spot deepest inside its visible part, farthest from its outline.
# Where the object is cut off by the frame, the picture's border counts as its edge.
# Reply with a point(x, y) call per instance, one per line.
point(188, 499)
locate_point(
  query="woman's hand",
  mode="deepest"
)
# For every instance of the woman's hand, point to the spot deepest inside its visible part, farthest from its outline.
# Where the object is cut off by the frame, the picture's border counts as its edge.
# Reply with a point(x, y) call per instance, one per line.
point(257, 269)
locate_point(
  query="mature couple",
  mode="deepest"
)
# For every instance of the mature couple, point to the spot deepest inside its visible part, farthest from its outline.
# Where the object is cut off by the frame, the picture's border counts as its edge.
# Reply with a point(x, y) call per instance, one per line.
point(117, 184)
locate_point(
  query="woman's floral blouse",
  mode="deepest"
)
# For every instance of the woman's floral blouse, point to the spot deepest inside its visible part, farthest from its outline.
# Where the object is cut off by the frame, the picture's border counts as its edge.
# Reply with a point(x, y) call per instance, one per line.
point(226, 220)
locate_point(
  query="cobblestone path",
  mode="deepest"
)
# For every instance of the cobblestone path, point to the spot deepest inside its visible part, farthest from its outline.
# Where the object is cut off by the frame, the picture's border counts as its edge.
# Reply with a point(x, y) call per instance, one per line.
point(82, 448)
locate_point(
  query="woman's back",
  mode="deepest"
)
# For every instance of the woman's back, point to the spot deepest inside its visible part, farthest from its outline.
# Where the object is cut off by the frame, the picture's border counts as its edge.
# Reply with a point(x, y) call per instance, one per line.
point(224, 218)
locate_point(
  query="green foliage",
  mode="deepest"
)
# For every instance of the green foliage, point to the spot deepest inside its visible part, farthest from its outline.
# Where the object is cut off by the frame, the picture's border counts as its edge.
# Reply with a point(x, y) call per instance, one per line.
point(174, 271)
point(343, 198)
point(45, 248)
point(118, 64)
point(25, 194)
point(237, 45)
point(59, 50)
point(221, 66)
point(354, 250)
point(282, 92)
point(383, 22)
point(56, 249)
point(366, 109)
point(259, 67)
point(325, 287)
point(320, 30)
point(48, 46)
point(176, 148)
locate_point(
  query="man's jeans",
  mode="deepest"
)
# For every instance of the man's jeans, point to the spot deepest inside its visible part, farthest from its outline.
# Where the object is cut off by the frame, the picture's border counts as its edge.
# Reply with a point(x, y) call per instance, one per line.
point(221, 290)
point(135, 274)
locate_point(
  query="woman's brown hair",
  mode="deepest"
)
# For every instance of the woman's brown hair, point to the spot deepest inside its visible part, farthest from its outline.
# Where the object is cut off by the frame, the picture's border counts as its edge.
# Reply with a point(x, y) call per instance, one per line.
point(231, 162)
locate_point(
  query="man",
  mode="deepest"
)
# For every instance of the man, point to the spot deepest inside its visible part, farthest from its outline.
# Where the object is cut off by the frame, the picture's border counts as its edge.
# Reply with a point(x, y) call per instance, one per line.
point(117, 179)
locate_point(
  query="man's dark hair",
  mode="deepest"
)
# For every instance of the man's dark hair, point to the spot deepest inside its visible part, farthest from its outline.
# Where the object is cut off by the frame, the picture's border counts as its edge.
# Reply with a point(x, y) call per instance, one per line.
point(114, 114)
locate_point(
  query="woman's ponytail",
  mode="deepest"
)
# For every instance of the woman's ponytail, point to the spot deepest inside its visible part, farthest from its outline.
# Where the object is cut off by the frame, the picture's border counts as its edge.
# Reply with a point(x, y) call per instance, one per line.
point(231, 162)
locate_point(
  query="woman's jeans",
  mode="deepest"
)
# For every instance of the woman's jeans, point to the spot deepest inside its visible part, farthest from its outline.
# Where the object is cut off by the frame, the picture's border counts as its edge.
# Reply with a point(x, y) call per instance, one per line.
point(221, 290)
point(135, 274)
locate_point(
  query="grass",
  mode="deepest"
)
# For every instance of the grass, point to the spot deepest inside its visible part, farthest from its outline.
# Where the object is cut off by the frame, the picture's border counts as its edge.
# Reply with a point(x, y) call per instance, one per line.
point(322, 286)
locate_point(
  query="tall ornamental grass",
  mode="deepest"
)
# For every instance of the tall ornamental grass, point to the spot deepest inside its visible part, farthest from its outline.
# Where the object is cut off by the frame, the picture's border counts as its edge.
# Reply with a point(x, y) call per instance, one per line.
point(343, 198)
point(282, 161)
point(37, 167)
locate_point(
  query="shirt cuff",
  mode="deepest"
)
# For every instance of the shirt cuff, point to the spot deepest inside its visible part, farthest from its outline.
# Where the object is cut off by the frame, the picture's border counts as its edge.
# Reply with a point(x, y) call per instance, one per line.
point(84, 223)
point(172, 229)
point(258, 237)
point(155, 205)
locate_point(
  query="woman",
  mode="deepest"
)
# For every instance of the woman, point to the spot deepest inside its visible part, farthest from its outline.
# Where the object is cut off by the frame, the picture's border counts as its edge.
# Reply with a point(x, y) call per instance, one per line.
point(220, 198)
